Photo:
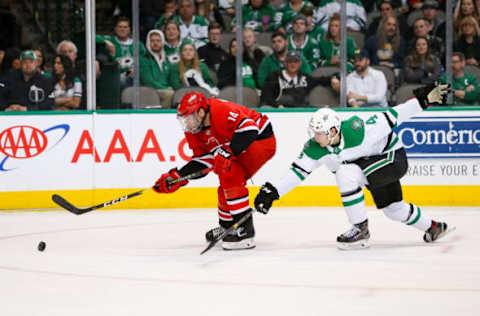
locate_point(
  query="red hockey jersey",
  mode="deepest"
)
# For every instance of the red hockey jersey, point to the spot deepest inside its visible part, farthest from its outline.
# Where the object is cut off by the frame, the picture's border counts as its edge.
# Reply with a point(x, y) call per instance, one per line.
point(226, 119)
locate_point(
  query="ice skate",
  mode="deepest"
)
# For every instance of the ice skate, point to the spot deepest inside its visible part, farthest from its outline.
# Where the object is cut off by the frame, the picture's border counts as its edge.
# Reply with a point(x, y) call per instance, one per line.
point(240, 238)
point(355, 238)
point(436, 231)
point(213, 233)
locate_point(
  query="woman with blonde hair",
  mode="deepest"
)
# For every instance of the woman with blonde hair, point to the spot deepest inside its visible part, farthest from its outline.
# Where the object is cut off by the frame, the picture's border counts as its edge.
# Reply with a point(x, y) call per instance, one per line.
point(190, 71)
point(468, 41)
point(465, 8)
point(421, 66)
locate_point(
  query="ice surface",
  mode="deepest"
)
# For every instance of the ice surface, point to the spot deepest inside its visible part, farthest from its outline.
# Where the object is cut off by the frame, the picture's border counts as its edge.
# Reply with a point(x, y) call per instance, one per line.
point(147, 262)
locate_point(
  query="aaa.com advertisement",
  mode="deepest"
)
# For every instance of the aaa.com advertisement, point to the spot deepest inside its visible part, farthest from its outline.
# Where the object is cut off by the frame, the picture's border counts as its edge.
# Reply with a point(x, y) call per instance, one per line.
point(89, 151)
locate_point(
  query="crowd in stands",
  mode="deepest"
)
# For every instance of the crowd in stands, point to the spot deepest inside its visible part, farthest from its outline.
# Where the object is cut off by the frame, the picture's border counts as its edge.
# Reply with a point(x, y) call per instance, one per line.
point(191, 43)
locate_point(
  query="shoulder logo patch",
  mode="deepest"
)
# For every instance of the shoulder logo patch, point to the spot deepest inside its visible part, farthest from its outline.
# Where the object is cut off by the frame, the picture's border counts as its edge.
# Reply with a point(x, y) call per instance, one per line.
point(356, 124)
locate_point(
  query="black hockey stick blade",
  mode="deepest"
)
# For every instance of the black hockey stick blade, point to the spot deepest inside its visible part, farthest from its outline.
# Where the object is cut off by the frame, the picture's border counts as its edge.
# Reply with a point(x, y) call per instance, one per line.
point(65, 204)
point(227, 231)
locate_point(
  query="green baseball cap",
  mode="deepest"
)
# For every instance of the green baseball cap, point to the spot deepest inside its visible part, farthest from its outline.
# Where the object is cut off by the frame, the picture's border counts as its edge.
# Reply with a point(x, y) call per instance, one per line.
point(28, 54)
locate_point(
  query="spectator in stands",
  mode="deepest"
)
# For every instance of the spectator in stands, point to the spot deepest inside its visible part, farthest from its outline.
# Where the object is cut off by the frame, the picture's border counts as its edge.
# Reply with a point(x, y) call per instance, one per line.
point(68, 48)
point(356, 15)
point(212, 53)
point(436, 45)
point(290, 87)
point(465, 8)
point(421, 66)
point(228, 70)
point(437, 24)
point(366, 86)
point(283, 18)
point(170, 9)
point(150, 12)
point(276, 61)
point(387, 47)
point(209, 10)
point(192, 27)
point(11, 61)
point(387, 8)
point(464, 84)
point(304, 44)
point(124, 49)
point(255, 52)
point(172, 41)
point(469, 40)
point(40, 60)
point(313, 30)
point(25, 89)
point(257, 15)
point(67, 88)
point(190, 72)
point(154, 67)
point(330, 45)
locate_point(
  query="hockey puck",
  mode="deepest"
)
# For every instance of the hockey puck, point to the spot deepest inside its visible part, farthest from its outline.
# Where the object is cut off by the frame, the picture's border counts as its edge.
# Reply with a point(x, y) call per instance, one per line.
point(41, 246)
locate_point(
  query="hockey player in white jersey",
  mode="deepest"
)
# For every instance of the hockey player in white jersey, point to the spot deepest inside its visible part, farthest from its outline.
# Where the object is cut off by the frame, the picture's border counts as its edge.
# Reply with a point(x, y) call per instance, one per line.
point(361, 153)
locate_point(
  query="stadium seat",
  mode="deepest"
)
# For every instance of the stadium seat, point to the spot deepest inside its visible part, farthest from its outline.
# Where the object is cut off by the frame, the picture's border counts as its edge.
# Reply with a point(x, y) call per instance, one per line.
point(108, 87)
point(179, 93)
point(148, 97)
point(250, 95)
point(358, 38)
point(405, 92)
point(325, 71)
point(321, 96)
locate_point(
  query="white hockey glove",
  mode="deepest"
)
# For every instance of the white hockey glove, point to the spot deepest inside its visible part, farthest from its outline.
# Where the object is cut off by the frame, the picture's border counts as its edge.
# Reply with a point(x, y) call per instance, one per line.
point(432, 94)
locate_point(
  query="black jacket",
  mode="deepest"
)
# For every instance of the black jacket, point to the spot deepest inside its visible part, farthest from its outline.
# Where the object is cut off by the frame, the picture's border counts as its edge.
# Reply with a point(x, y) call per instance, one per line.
point(278, 90)
point(36, 94)
point(212, 55)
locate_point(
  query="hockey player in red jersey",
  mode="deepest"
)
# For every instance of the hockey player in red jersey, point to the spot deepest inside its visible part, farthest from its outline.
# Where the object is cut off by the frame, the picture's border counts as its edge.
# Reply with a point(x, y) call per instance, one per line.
point(236, 142)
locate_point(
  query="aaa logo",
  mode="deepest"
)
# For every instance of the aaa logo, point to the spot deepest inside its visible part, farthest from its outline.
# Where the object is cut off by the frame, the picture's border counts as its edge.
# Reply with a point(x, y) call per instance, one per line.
point(22, 142)
point(25, 141)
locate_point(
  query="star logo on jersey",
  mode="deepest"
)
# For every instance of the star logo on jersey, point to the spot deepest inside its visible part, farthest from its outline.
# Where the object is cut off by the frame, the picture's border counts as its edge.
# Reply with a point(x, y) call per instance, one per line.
point(357, 124)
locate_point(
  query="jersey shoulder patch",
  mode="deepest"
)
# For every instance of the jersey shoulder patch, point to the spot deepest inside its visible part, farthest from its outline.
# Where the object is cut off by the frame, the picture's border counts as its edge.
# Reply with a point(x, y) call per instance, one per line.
point(353, 131)
point(313, 150)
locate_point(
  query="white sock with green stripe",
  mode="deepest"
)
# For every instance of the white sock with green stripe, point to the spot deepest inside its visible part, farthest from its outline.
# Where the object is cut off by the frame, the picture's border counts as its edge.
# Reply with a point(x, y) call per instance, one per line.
point(354, 204)
point(408, 214)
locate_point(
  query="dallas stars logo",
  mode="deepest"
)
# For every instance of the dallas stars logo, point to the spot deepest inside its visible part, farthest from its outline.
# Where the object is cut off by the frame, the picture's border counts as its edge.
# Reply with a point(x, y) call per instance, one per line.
point(356, 124)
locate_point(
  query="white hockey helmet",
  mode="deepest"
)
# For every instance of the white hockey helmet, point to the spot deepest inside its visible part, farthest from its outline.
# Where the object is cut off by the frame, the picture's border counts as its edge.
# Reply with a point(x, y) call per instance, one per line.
point(322, 121)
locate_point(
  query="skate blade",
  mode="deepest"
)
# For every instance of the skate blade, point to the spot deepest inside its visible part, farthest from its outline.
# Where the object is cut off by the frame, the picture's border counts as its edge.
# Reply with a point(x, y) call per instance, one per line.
point(361, 244)
point(448, 231)
point(247, 243)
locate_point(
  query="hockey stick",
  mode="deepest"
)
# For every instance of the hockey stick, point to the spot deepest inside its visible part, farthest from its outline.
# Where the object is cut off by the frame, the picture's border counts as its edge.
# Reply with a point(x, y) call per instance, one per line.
point(227, 231)
point(82, 210)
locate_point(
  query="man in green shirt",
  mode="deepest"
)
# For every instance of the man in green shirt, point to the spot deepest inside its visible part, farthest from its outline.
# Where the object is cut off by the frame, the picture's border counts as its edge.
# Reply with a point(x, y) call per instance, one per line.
point(464, 84)
point(123, 48)
point(276, 60)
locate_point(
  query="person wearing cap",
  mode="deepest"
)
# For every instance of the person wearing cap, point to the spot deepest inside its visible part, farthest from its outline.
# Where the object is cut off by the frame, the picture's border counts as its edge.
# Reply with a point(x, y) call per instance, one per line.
point(356, 15)
point(284, 18)
point(276, 61)
point(305, 44)
point(25, 89)
point(290, 87)
point(330, 45)
point(437, 24)
point(366, 86)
